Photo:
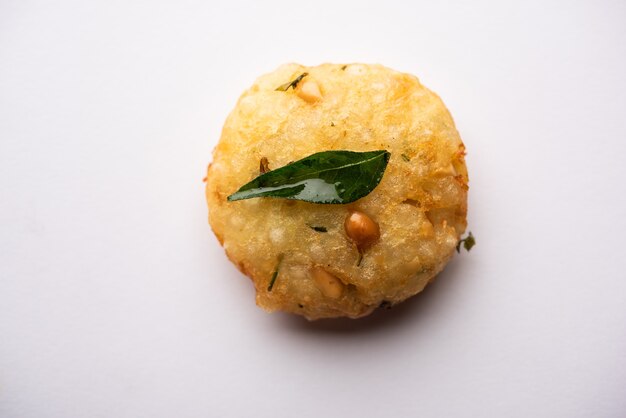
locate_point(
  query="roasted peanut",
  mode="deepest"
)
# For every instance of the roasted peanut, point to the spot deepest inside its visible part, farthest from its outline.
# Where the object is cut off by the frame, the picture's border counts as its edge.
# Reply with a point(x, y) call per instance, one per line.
point(330, 285)
point(309, 91)
point(361, 229)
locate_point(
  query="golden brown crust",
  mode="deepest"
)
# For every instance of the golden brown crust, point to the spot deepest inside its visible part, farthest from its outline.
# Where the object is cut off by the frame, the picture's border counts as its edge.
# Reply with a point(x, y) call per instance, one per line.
point(420, 205)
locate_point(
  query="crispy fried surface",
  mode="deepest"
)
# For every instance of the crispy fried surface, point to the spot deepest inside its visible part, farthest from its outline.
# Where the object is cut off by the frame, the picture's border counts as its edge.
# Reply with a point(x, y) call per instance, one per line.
point(420, 204)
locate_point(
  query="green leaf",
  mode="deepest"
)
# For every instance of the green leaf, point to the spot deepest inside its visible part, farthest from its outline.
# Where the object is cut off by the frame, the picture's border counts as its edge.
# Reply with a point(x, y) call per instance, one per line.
point(325, 177)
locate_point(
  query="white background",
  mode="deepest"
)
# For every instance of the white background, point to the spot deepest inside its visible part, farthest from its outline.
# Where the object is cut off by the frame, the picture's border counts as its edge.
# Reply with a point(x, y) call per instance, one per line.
point(117, 301)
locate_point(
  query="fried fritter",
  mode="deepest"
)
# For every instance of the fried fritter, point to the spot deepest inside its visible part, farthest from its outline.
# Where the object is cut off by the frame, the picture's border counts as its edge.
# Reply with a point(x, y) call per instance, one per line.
point(307, 258)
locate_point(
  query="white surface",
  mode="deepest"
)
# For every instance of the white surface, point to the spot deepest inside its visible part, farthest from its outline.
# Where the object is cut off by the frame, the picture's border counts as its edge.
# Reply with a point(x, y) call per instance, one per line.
point(117, 301)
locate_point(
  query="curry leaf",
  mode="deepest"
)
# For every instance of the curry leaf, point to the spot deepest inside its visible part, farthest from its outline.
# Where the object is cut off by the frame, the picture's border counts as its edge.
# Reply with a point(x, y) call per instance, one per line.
point(325, 177)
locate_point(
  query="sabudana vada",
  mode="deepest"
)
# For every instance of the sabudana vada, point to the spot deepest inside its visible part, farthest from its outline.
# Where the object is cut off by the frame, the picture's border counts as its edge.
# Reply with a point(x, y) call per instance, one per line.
point(338, 188)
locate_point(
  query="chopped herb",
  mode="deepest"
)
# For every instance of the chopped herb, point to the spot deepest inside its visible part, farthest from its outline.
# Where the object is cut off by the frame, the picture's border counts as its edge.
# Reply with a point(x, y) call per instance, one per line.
point(272, 280)
point(275, 274)
point(405, 158)
point(318, 228)
point(468, 242)
point(264, 165)
point(330, 177)
point(292, 84)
